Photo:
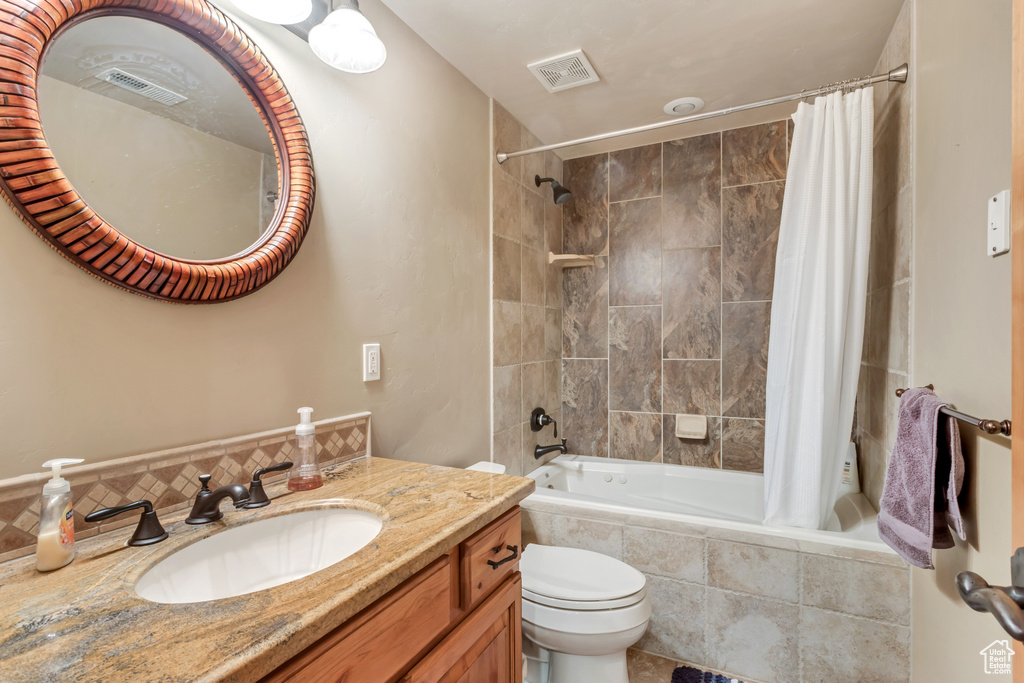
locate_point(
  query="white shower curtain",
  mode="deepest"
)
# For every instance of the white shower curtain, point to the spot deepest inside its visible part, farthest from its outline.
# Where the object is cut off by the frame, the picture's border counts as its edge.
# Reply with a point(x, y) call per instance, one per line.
point(817, 320)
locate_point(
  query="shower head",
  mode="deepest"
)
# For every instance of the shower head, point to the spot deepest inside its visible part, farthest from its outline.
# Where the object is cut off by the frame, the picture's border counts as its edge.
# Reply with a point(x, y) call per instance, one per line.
point(560, 193)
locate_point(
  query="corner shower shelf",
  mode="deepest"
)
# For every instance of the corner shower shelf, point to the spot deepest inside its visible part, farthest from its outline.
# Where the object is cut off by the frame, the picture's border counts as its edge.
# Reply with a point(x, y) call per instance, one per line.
point(570, 260)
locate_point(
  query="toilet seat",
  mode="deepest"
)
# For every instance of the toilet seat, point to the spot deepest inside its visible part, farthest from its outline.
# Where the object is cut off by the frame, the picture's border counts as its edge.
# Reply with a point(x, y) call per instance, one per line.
point(574, 579)
point(584, 605)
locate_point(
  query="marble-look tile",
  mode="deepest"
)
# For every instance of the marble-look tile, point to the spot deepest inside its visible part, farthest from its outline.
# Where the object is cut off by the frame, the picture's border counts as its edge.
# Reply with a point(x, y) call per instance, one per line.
point(533, 164)
point(836, 647)
point(534, 321)
point(534, 389)
point(635, 436)
point(553, 285)
point(585, 406)
point(536, 527)
point(534, 275)
point(677, 629)
point(552, 333)
point(857, 588)
point(586, 534)
point(693, 192)
point(585, 216)
point(887, 328)
point(692, 301)
point(552, 385)
point(634, 358)
point(533, 220)
point(508, 397)
point(706, 452)
point(634, 173)
point(507, 138)
point(643, 667)
point(744, 358)
point(635, 252)
point(585, 312)
point(553, 227)
point(768, 572)
point(754, 154)
point(508, 450)
point(507, 206)
point(552, 166)
point(507, 269)
point(663, 553)
point(751, 215)
point(872, 460)
point(755, 637)
point(508, 332)
point(743, 445)
point(871, 402)
point(692, 387)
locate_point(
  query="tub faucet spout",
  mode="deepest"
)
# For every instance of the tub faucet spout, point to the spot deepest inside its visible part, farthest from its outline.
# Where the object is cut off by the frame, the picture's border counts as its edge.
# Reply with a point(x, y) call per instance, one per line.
point(540, 451)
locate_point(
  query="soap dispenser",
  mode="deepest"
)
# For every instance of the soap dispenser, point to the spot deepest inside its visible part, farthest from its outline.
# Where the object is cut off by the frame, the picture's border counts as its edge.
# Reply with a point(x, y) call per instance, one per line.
point(55, 546)
point(305, 474)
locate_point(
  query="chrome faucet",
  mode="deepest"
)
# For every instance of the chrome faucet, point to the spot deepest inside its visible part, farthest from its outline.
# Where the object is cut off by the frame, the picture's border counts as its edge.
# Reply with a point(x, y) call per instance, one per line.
point(206, 509)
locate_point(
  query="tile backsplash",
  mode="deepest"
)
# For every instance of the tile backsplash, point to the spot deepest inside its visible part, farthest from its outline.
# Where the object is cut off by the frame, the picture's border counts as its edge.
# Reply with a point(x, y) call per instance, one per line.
point(166, 478)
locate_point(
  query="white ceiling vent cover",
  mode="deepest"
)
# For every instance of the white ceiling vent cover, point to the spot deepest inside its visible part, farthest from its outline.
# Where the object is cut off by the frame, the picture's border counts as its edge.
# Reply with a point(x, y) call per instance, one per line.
point(564, 71)
point(139, 86)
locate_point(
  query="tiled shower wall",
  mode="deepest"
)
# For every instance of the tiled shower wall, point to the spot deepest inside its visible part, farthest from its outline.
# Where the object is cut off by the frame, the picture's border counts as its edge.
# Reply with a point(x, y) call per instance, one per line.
point(527, 295)
point(887, 334)
point(673, 318)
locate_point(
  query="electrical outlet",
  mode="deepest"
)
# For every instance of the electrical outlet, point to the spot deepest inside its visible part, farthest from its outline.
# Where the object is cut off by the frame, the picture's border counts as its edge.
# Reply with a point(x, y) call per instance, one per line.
point(371, 362)
point(999, 224)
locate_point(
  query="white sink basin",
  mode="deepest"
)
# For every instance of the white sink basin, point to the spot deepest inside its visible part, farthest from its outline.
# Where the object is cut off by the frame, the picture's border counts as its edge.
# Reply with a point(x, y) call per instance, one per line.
point(260, 555)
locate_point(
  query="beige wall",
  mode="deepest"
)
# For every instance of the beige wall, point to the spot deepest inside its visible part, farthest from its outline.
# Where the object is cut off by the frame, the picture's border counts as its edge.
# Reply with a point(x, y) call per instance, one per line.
point(961, 304)
point(397, 253)
point(169, 186)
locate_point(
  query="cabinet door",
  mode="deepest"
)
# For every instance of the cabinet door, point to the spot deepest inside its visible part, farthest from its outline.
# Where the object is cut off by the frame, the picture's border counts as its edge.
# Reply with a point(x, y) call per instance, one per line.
point(486, 647)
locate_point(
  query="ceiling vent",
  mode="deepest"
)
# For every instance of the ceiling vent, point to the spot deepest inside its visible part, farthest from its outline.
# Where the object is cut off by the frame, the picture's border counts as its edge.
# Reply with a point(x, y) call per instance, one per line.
point(123, 79)
point(564, 71)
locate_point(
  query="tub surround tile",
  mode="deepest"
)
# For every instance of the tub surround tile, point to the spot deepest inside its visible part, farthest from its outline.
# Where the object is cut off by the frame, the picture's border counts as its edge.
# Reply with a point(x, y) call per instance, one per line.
point(743, 445)
point(767, 572)
point(586, 534)
point(754, 154)
point(508, 397)
point(745, 358)
point(585, 311)
point(585, 406)
point(552, 333)
point(677, 628)
point(507, 207)
point(552, 284)
point(754, 538)
point(552, 386)
point(635, 436)
point(692, 387)
point(507, 138)
point(837, 647)
point(753, 636)
point(634, 358)
point(534, 388)
point(533, 220)
point(706, 452)
point(692, 303)
point(750, 234)
point(533, 164)
point(692, 197)
point(635, 252)
point(508, 450)
point(534, 325)
point(585, 218)
point(634, 173)
point(507, 270)
point(661, 553)
point(508, 332)
point(534, 276)
point(857, 588)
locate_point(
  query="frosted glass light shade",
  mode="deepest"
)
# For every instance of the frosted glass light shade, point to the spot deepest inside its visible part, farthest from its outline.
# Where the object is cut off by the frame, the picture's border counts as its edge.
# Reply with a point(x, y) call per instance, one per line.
point(277, 11)
point(347, 41)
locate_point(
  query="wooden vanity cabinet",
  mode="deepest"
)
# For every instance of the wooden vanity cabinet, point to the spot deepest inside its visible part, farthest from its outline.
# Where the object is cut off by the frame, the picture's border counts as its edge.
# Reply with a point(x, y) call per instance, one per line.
point(456, 621)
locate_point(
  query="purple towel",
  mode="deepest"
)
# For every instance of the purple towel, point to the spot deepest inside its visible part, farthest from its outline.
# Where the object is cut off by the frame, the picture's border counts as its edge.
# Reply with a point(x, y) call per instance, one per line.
point(925, 475)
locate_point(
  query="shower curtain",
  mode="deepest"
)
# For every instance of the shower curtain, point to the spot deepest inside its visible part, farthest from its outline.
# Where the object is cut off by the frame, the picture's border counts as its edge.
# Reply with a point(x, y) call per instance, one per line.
point(817, 318)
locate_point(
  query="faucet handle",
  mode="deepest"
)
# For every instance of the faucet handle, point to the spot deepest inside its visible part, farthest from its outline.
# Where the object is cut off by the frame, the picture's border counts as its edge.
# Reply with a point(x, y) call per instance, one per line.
point(149, 529)
point(540, 419)
point(204, 479)
point(257, 496)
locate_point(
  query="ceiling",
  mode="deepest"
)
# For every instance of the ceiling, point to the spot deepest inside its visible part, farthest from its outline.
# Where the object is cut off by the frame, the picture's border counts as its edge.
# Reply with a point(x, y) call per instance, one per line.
point(647, 52)
point(216, 104)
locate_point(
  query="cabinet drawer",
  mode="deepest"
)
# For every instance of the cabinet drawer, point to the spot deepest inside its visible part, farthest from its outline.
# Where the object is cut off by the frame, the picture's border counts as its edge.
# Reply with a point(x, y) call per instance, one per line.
point(488, 556)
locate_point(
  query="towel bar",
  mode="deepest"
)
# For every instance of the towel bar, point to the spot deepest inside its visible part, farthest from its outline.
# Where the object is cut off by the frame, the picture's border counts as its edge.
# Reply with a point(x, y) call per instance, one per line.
point(987, 426)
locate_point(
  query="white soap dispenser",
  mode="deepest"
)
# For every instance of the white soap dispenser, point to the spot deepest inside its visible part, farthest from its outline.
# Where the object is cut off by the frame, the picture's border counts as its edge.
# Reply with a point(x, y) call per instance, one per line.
point(305, 473)
point(55, 546)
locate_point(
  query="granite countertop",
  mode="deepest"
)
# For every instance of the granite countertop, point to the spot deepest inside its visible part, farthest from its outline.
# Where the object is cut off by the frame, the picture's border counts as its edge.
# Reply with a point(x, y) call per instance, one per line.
point(85, 623)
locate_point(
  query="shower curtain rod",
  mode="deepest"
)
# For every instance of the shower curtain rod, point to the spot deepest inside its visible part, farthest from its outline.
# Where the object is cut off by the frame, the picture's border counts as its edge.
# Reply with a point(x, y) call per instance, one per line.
point(898, 75)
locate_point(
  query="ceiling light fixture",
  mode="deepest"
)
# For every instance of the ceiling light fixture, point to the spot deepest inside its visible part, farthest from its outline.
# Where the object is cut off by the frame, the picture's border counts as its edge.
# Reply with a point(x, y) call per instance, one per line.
point(347, 41)
point(684, 106)
point(277, 11)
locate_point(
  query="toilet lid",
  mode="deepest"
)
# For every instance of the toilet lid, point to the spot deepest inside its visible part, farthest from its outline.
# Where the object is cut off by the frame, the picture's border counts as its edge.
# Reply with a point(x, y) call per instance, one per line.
point(577, 575)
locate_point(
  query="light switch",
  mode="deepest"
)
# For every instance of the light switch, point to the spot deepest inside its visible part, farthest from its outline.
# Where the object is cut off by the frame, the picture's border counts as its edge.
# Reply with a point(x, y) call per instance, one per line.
point(999, 224)
point(371, 362)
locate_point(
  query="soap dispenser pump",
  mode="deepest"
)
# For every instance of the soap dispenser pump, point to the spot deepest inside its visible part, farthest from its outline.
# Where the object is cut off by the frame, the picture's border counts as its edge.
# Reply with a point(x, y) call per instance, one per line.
point(55, 546)
point(305, 474)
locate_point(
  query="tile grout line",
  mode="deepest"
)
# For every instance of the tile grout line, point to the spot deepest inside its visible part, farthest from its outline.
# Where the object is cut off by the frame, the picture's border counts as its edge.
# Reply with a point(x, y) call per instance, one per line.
point(721, 297)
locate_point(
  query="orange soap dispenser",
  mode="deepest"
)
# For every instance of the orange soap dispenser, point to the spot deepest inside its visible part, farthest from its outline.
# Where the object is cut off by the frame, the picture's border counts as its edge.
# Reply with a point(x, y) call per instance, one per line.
point(305, 474)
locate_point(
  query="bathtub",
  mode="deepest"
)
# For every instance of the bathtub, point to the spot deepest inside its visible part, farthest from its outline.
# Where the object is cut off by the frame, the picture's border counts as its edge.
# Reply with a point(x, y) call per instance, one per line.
point(722, 499)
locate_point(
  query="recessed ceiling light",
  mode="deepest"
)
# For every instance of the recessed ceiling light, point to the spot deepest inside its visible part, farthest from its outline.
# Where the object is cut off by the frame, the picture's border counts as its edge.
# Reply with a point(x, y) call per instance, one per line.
point(684, 106)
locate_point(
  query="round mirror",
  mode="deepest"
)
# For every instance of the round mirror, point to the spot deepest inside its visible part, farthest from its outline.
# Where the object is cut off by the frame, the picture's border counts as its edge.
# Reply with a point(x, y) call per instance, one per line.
point(158, 137)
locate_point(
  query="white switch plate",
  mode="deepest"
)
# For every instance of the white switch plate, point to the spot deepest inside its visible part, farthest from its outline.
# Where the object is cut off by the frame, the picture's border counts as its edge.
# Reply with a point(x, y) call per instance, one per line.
point(999, 224)
point(371, 362)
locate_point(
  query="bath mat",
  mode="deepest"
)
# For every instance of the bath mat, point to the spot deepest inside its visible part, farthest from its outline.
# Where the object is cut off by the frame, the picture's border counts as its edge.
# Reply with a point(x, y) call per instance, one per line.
point(687, 674)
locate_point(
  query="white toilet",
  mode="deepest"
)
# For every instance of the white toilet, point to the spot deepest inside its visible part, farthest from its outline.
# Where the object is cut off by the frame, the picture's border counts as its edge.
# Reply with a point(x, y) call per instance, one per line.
point(581, 611)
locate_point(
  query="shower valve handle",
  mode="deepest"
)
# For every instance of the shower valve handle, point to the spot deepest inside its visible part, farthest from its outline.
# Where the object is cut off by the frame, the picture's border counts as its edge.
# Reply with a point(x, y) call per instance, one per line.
point(540, 419)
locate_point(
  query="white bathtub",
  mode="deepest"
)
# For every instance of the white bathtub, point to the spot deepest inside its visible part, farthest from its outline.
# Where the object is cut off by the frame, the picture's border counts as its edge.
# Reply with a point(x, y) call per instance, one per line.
point(689, 495)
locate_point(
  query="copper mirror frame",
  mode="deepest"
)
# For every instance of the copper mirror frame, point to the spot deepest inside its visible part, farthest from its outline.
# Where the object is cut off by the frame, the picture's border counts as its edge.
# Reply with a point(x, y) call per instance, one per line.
point(35, 187)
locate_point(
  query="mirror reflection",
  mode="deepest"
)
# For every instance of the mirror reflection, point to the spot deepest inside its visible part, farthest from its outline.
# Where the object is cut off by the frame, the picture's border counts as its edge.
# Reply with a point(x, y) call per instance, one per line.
point(158, 137)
